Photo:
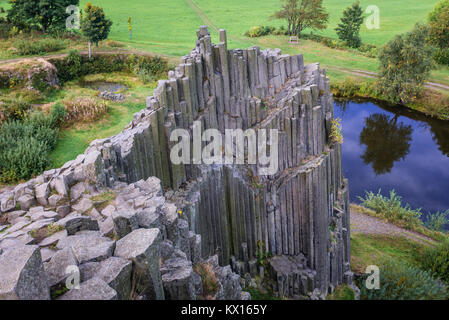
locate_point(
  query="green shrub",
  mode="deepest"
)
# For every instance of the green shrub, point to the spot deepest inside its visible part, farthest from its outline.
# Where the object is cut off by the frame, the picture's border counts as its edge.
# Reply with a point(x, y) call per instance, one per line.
point(441, 56)
point(392, 209)
point(25, 144)
point(41, 46)
point(147, 68)
point(436, 261)
point(260, 31)
point(437, 221)
point(400, 281)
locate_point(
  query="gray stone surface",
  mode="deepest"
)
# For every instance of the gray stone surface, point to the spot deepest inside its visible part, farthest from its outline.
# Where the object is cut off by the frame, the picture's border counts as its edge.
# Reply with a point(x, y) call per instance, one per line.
point(93, 289)
point(80, 223)
point(22, 275)
point(117, 272)
point(89, 246)
point(57, 266)
point(125, 221)
point(142, 247)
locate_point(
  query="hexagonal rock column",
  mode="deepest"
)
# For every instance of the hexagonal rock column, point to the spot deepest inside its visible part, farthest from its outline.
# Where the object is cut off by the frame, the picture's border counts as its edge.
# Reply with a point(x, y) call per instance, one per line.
point(142, 247)
point(22, 275)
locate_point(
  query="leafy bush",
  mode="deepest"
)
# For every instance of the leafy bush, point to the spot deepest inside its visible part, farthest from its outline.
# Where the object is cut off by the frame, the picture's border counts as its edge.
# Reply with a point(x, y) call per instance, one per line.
point(436, 261)
point(400, 281)
point(41, 46)
point(260, 31)
point(15, 106)
point(84, 109)
point(25, 144)
point(437, 221)
point(147, 68)
point(441, 56)
point(74, 66)
point(391, 208)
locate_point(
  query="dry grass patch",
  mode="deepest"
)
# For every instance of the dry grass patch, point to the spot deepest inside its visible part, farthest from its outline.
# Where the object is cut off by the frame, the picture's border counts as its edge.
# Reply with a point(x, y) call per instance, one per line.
point(84, 109)
point(209, 279)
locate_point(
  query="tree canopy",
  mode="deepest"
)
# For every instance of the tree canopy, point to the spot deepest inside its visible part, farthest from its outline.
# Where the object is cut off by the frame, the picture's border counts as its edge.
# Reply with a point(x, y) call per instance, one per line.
point(439, 24)
point(41, 14)
point(94, 24)
point(303, 14)
point(405, 64)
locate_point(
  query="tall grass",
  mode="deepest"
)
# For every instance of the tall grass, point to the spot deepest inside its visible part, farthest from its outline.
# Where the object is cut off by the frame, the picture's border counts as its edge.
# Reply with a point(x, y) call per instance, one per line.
point(40, 46)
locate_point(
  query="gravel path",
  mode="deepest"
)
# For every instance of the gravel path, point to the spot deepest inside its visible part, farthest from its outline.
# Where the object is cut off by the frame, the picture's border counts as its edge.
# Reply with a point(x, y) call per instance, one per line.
point(362, 223)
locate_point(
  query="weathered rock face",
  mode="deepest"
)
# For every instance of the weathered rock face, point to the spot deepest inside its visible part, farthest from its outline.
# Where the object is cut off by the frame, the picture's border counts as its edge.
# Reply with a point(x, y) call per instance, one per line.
point(299, 213)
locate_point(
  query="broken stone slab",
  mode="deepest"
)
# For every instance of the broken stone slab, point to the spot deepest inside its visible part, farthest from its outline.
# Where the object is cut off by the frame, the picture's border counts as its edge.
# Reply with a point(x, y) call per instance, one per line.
point(108, 211)
point(54, 200)
point(58, 265)
point(7, 203)
point(149, 218)
point(177, 279)
point(88, 246)
point(142, 247)
point(83, 205)
point(80, 223)
point(42, 193)
point(47, 254)
point(14, 215)
point(116, 272)
point(43, 215)
point(107, 227)
point(53, 239)
point(77, 191)
point(22, 275)
point(39, 224)
point(26, 201)
point(88, 270)
point(93, 289)
point(125, 221)
point(63, 211)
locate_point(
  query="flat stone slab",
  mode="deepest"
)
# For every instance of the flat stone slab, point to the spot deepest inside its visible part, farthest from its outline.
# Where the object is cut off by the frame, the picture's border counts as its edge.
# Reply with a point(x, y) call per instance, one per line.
point(89, 246)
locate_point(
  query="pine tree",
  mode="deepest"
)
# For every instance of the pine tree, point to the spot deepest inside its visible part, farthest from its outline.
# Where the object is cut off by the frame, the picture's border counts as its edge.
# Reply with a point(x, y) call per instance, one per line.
point(349, 28)
point(94, 25)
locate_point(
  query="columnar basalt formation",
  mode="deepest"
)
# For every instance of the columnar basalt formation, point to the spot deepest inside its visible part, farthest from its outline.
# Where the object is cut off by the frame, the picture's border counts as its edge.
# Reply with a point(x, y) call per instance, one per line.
point(291, 226)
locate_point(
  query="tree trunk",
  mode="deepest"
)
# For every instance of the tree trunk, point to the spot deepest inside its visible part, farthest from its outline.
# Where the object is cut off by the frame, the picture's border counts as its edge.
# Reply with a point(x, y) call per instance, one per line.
point(90, 49)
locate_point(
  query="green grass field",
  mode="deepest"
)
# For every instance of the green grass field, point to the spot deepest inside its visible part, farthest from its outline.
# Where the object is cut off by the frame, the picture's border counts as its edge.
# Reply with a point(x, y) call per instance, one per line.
point(169, 26)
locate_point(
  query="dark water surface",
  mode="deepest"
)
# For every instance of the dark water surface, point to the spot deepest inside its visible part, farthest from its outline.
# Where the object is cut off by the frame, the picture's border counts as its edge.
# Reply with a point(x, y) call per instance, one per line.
point(394, 148)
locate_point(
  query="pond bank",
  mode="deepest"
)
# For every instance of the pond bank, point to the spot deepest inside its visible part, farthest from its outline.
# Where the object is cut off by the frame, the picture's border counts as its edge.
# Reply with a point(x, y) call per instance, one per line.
point(431, 103)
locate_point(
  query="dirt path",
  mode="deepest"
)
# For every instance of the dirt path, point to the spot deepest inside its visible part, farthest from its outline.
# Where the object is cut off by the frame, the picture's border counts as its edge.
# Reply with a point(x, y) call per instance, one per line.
point(374, 75)
point(62, 55)
point(365, 224)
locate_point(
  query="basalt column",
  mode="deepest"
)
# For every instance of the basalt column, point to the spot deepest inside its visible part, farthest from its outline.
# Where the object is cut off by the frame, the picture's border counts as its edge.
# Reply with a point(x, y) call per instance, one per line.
point(296, 218)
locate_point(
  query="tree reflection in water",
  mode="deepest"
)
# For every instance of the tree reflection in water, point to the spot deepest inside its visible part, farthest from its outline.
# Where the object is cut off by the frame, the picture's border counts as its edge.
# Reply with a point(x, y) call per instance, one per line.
point(386, 141)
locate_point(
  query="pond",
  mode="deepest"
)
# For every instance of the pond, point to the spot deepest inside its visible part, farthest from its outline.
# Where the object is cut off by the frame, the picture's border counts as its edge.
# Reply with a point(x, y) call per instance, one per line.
point(104, 86)
point(395, 148)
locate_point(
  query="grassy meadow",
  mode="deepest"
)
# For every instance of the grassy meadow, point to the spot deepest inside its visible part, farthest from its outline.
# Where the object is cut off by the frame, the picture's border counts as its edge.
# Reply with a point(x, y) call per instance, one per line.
point(169, 28)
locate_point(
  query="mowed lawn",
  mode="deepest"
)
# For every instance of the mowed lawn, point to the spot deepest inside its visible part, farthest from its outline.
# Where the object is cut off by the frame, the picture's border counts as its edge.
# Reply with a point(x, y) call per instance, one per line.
point(169, 28)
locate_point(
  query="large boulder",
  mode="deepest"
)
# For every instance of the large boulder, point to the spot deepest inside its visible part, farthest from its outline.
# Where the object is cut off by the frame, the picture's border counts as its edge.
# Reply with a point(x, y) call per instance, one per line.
point(22, 275)
point(57, 266)
point(142, 247)
point(116, 272)
point(178, 280)
point(80, 223)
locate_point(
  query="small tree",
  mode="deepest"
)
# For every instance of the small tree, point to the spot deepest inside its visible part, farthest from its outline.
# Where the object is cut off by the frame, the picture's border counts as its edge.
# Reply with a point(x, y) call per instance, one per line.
point(349, 28)
point(94, 25)
point(303, 15)
point(405, 64)
point(439, 24)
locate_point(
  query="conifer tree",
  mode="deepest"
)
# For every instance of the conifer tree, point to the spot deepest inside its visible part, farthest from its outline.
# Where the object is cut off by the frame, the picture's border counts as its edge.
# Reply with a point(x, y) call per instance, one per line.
point(349, 28)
